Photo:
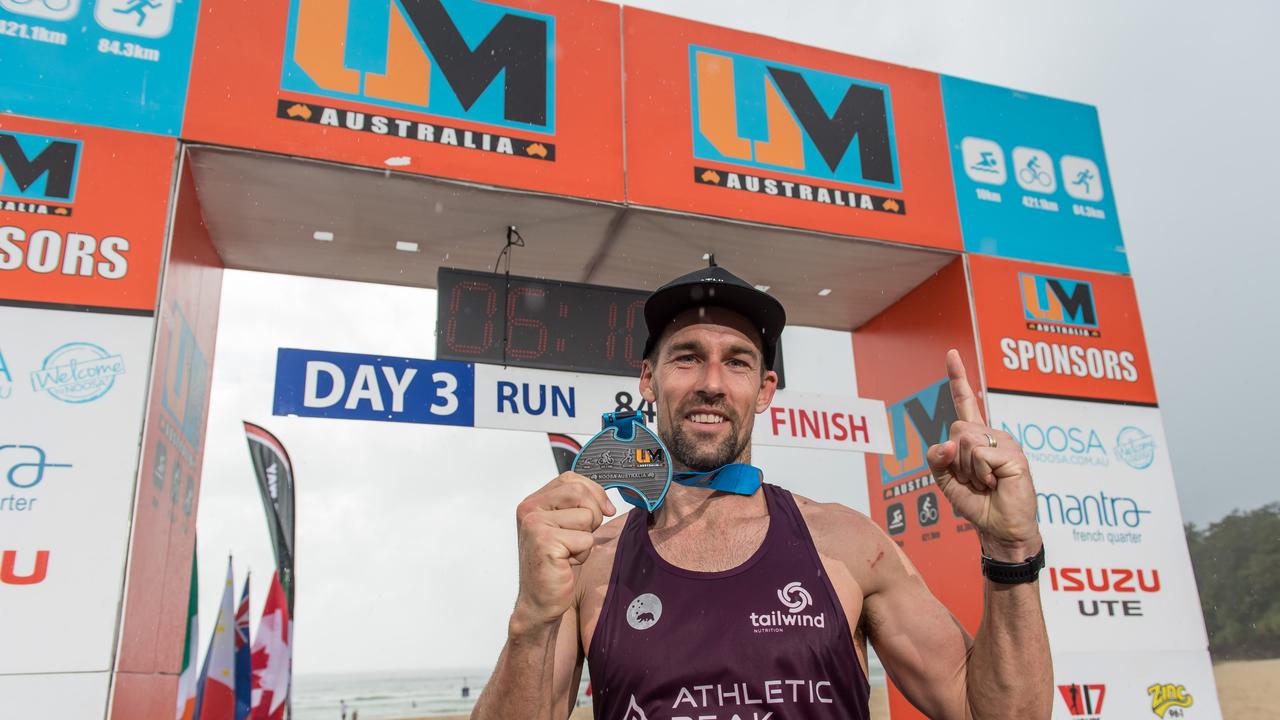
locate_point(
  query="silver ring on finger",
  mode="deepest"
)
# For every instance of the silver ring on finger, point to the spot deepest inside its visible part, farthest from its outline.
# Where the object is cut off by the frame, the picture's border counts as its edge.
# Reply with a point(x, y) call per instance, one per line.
point(991, 441)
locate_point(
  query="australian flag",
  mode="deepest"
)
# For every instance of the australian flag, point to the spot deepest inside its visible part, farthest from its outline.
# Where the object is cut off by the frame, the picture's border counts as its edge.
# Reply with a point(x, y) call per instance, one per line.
point(244, 674)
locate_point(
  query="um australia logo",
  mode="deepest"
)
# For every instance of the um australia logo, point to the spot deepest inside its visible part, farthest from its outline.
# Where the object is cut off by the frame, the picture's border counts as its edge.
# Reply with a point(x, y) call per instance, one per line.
point(767, 117)
point(38, 173)
point(475, 62)
point(1058, 305)
point(915, 422)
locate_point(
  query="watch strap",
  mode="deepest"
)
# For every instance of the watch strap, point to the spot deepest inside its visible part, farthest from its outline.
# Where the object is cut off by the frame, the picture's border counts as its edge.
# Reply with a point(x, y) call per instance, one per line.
point(1006, 573)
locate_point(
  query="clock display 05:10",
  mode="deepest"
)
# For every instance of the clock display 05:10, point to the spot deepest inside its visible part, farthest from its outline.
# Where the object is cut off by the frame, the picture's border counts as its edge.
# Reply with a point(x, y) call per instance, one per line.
point(543, 323)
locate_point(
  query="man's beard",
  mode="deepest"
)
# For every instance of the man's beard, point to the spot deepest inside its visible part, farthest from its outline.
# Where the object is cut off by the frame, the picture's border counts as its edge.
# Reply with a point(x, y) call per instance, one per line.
point(686, 450)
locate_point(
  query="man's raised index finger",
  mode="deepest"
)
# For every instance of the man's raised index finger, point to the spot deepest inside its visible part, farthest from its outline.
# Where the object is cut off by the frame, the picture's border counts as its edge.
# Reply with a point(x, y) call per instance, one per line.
point(967, 408)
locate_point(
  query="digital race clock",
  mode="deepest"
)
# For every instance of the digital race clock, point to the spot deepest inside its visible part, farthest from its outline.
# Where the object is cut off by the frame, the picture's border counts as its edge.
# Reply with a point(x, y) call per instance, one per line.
point(545, 324)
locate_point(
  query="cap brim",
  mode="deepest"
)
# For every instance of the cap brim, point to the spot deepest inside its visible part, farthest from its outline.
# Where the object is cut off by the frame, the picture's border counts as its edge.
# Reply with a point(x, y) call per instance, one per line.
point(764, 311)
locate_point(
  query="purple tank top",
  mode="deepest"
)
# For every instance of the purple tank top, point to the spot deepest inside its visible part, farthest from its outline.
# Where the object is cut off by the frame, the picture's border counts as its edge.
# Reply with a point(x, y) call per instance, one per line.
point(766, 640)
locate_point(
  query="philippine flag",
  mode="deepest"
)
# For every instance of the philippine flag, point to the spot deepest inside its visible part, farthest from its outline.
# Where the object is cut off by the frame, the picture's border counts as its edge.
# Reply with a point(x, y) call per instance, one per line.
point(272, 663)
point(217, 691)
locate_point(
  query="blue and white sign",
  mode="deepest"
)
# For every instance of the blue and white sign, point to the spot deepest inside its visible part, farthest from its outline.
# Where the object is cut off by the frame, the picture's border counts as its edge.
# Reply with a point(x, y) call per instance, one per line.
point(1031, 177)
point(316, 383)
point(121, 64)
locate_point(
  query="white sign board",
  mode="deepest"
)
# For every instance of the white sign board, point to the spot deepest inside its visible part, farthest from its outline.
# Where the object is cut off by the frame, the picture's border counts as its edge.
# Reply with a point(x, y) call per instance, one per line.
point(72, 391)
point(1118, 575)
point(1127, 686)
point(551, 401)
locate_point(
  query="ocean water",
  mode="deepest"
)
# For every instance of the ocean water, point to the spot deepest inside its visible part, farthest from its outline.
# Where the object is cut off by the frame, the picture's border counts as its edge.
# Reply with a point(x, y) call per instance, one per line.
point(410, 694)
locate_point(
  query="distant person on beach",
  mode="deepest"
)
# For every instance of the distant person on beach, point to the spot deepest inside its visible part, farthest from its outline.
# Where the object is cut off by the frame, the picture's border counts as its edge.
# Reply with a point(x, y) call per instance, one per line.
point(343, 705)
point(735, 597)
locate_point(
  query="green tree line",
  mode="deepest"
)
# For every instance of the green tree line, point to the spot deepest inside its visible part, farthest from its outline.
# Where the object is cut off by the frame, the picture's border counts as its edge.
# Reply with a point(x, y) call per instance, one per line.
point(1237, 566)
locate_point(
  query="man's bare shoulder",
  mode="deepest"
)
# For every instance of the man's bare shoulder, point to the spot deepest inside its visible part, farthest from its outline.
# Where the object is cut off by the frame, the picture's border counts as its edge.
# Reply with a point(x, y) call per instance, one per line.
point(833, 521)
point(841, 533)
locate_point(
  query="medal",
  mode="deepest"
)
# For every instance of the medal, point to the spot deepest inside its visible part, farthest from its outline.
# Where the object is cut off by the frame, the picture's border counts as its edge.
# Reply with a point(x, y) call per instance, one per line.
point(627, 455)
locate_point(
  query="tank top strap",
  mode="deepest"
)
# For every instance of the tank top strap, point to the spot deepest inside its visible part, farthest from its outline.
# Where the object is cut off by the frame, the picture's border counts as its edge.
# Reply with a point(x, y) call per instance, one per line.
point(785, 505)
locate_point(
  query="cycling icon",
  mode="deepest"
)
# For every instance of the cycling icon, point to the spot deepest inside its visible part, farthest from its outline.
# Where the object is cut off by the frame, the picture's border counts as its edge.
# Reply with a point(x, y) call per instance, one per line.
point(1035, 170)
point(47, 9)
point(927, 509)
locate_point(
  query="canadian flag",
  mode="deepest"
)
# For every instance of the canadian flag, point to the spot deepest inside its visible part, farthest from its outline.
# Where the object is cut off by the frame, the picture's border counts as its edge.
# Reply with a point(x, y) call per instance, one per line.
point(217, 694)
point(272, 657)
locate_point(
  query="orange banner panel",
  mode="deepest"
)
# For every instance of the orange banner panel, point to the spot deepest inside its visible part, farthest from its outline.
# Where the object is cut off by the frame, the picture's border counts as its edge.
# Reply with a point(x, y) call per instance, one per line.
point(726, 123)
point(1060, 332)
point(82, 214)
point(899, 357)
point(519, 94)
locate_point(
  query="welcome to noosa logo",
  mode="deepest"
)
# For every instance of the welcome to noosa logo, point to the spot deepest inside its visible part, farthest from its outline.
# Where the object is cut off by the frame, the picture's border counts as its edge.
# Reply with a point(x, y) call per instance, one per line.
point(467, 60)
point(769, 116)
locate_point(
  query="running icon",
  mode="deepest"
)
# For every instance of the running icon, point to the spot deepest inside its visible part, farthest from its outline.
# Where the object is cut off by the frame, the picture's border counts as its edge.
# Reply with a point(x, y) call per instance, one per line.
point(144, 18)
point(1083, 181)
point(1034, 170)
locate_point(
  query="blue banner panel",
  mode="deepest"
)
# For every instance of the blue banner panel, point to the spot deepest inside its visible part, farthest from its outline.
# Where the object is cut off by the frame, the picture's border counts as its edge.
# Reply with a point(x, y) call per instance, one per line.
point(115, 63)
point(315, 383)
point(1031, 177)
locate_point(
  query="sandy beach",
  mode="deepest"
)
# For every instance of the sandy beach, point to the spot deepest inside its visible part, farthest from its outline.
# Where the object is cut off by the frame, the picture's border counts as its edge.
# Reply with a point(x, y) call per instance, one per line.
point(1246, 688)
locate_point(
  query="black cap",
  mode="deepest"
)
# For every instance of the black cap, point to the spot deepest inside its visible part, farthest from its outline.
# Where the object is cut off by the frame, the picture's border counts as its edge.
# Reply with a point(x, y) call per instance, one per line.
point(716, 287)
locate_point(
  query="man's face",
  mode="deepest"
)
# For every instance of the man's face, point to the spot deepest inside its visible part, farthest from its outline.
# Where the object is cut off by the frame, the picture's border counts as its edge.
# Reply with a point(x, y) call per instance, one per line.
point(706, 379)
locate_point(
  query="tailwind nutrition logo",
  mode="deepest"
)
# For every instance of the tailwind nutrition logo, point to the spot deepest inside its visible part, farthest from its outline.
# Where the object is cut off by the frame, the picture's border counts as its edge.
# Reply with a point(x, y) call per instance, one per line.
point(1059, 305)
point(769, 116)
point(795, 598)
point(473, 61)
point(38, 173)
point(77, 372)
point(1135, 447)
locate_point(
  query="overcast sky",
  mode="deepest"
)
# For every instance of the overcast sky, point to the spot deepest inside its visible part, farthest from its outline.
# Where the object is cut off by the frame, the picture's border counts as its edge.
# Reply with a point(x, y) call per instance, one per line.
point(406, 544)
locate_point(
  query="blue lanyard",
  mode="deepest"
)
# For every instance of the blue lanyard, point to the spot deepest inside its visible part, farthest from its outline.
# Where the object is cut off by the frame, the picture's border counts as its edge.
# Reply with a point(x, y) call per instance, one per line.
point(737, 478)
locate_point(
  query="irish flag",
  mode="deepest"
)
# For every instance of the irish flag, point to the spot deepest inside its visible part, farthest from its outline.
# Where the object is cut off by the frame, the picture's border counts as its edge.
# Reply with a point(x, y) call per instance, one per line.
point(217, 693)
point(187, 680)
point(272, 656)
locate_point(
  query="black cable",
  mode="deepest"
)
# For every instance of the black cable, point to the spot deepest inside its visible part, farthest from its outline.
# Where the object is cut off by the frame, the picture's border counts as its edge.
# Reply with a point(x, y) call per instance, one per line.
point(514, 239)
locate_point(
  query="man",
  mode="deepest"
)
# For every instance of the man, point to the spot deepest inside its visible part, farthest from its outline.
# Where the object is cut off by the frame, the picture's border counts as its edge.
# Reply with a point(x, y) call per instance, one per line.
point(722, 605)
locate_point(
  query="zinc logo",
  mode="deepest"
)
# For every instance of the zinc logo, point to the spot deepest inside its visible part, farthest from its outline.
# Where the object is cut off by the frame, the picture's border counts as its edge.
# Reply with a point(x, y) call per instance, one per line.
point(474, 61)
point(760, 114)
point(1059, 305)
point(917, 422)
point(38, 173)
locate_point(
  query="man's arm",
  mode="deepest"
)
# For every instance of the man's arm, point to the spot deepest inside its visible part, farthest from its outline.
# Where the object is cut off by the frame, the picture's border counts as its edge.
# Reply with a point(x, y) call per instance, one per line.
point(542, 653)
point(539, 668)
point(1006, 669)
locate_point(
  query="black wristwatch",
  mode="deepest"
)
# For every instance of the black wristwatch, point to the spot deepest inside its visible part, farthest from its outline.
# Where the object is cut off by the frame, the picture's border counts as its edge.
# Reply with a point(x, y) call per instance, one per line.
point(1013, 573)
